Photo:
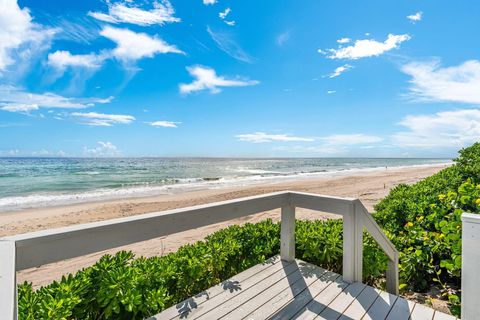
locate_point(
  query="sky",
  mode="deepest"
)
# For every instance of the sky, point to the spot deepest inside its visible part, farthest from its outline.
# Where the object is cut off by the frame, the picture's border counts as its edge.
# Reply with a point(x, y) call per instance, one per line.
point(220, 78)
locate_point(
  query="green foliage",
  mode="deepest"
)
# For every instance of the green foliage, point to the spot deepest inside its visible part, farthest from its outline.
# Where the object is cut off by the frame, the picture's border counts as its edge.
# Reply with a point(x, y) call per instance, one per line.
point(423, 221)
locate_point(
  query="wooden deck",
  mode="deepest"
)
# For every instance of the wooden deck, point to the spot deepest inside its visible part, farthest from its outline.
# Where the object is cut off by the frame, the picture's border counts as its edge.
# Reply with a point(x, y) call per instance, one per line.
point(296, 290)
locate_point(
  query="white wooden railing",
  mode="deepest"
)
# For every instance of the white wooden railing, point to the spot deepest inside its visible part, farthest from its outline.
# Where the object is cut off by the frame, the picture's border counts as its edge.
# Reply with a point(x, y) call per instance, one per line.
point(37, 248)
point(470, 265)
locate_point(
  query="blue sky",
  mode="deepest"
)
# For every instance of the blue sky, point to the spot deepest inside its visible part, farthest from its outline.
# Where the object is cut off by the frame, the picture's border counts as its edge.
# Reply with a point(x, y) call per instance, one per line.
point(239, 78)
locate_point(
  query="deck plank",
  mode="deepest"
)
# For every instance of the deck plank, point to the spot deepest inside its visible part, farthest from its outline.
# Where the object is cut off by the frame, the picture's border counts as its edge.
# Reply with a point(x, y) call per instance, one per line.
point(401, 310)
point(321, 301)
point(359, 307)
point(421, 312)
point(300, 301)
point(336, 308)
point(227, 288)
point(266, 304)
point(220, 307)
point(443, 316)
point(381, 307)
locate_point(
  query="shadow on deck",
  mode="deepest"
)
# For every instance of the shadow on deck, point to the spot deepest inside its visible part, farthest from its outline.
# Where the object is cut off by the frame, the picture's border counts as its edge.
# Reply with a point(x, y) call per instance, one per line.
point(277, 289)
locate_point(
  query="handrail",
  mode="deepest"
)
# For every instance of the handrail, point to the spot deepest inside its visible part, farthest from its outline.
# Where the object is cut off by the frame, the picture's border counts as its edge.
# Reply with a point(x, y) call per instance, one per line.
point(36, 248)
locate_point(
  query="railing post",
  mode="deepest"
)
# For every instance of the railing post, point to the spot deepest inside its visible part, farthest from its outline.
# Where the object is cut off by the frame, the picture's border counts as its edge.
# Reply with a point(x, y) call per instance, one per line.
point(392, 285)
point(470, 264)
point(287, 234)
point(353, 244)
point(8, 282)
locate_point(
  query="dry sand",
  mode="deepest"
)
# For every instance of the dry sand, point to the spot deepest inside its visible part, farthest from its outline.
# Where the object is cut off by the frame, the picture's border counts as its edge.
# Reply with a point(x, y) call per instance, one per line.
point(369, 187)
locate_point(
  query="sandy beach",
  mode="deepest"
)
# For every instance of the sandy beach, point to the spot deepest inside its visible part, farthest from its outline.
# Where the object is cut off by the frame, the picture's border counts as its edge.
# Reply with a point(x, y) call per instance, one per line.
point(369, 187)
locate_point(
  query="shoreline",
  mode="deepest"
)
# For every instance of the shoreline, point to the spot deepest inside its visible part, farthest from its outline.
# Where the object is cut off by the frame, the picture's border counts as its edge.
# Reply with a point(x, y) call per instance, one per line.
point(34, 202)
point(369, 187)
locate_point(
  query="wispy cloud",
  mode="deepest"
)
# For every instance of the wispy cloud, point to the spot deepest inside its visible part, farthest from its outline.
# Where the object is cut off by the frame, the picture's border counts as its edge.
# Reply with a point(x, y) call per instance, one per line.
point(338, 71)
point(132, 46)
point(431, 82)
point(207, 79)
point(225, 42)
point(366, 48)
point(129, 12)
point(103, 149)
point(19, 35)
point(446, 129)
point(165, 124)
point(102, 119)
point(15, 99)
point(262, 137)
point(415, 17)
point(282, 38)
point(209, 2)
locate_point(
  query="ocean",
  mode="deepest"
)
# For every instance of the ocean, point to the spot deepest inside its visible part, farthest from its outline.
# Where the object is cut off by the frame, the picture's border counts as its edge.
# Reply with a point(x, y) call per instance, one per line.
point(42, 182)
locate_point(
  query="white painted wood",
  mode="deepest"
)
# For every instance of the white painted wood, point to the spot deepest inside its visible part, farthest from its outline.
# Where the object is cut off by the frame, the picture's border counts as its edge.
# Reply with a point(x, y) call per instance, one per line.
point(470, 264)
point(8, 283)
point(443, 316)
point(321, 203)
point(321, 301)
point(48, 246)
point(273, 299)
point(392, 277)
point(361, 304)
point(336, 308)
point(299, 303)
point(247, 297)
point(421, 312)
point(358, 242)
point(227, 287)
point(381, 307)
point(349, 265)
point(264, 279)
point(401, 310)
point(287, 233)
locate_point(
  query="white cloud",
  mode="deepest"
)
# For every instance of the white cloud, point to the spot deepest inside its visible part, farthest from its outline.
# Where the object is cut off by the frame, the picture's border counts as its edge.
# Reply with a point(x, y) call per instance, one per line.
point(104, 149)
point(126, 13)
point(61, 60)
point(350, 139)
point(207, 79)
point(338, 71)
point(165, 124)
point(431, 82)
point(223, 15)
point(21, 108)
point(102, 119)
point(18, 33)
point(366, 48)
point(225, 42)
point(440, 130)
point(261, 137)
point(209, 2)
point(415, 17)
point(17, 100)
point(134, 46)
point(344, 40)
point(282, 38)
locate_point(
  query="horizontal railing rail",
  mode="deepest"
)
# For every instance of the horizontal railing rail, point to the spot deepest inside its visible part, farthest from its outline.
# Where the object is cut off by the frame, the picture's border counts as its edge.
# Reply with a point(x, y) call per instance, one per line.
point(34, 249)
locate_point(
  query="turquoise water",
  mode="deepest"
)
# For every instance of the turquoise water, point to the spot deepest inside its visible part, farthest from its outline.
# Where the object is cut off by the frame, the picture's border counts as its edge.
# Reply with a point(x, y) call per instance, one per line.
point(38, 182)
